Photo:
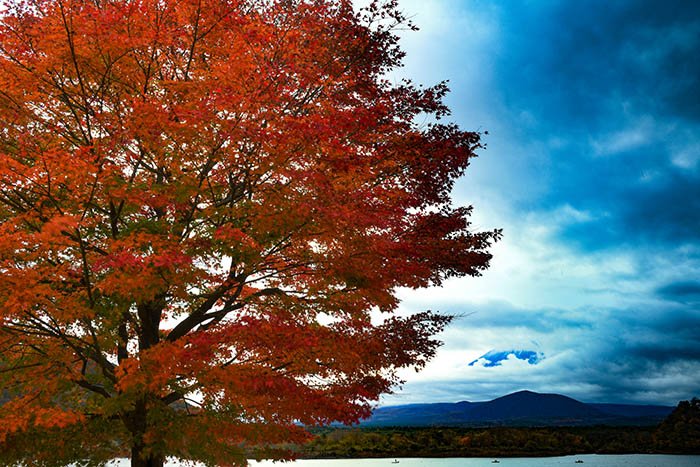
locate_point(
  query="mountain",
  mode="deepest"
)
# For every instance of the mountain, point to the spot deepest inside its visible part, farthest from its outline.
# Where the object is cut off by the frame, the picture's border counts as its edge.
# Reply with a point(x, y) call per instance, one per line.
point(531, 407)
point(523, 408)
point(420, 414)
point(634, 411)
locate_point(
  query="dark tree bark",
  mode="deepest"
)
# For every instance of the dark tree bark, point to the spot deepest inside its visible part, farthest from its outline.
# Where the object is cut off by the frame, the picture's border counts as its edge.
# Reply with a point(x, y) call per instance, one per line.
point(138, 460)
point(137, 423)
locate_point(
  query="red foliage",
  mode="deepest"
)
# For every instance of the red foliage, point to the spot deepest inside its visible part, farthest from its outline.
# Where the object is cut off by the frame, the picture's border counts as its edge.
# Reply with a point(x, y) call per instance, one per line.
point(202, 204)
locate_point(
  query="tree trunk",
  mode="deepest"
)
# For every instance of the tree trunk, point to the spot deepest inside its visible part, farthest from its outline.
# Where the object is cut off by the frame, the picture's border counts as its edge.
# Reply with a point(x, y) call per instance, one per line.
point(137, 423)
point(137, 460)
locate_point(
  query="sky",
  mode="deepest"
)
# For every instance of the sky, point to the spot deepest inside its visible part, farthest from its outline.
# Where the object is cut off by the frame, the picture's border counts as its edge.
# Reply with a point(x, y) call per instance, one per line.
point(592, 170)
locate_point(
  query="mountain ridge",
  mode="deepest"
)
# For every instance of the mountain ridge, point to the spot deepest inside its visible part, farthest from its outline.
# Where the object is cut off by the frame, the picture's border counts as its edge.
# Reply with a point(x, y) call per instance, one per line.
point(522, 408)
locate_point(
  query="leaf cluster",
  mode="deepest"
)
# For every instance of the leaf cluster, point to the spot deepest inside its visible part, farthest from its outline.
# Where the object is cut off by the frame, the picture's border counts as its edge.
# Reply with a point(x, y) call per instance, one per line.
point(206, 210)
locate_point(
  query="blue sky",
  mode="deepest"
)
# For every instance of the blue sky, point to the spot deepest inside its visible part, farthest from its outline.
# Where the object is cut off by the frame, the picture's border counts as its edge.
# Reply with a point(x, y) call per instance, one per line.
point(593, 171)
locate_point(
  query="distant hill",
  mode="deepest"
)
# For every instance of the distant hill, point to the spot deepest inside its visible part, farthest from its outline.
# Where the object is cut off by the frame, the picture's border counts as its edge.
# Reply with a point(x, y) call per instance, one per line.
point(524, 408)
point(634, 411)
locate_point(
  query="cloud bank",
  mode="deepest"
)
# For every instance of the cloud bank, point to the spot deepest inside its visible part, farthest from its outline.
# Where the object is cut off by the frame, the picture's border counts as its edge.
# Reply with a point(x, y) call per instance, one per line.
point(593, 171)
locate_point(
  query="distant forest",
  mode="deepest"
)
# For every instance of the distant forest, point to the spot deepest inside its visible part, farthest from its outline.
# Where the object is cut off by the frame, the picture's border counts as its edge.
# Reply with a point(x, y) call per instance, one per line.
point(678, 434)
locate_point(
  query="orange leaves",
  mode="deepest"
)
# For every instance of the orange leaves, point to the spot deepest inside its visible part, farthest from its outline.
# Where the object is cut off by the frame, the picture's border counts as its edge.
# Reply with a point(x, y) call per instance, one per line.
point(186, 186)
point(228, 233)
point(15, 418)
point(138, 266)
point(57, 228)
point(21, 413)
point(54, 417)
point(128, 375)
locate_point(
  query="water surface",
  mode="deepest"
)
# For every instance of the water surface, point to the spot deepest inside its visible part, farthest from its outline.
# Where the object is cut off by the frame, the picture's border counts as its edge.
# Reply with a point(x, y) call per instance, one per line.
point(589, 460)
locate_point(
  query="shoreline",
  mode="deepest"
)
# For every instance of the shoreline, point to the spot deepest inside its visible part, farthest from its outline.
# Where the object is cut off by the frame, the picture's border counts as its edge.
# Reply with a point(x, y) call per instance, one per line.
point(503, 442)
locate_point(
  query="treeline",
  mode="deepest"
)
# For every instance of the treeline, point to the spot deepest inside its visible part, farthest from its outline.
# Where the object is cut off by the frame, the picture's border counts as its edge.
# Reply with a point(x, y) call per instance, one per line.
point(679, 434)
point(476, 442)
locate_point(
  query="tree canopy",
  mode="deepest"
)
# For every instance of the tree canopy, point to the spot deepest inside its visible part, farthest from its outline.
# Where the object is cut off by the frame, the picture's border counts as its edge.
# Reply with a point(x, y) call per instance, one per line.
point(680, 432)
point(206, 210)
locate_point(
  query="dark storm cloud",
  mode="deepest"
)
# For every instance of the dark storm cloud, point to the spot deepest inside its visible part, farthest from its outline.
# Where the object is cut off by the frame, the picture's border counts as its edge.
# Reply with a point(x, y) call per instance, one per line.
point(648, 353)
point(664, 336)
point(663, 210)
point(594, 156)
point(682, 291)
point(586, 53)
point(618, 85)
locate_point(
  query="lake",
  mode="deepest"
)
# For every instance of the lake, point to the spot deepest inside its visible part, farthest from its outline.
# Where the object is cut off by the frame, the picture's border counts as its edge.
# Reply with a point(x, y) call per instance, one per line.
point(636, 460)
point(589, 460)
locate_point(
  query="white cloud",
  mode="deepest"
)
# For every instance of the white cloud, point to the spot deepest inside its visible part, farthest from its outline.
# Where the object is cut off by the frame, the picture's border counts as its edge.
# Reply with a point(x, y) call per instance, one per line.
point(637, 133)
point(575, 304)
point(532, 268)
point(685, 150)
point(580, 309)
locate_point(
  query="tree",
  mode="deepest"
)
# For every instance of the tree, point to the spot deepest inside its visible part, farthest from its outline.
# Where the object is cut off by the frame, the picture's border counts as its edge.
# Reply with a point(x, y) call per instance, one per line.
point(680, 432)
point(206, 209)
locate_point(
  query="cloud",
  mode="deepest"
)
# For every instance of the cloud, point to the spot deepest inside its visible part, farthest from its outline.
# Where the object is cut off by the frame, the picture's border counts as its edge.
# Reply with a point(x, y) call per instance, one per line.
point(647, 353)
point(633, 54)
point(680, 291)
point(605, 80)
point(592, 171)
point(591, 366)
point(635, 134)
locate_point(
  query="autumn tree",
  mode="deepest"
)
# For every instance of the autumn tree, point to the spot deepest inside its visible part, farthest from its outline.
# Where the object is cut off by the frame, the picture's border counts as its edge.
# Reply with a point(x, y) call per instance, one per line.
point(206, 209)
point(680, 431)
